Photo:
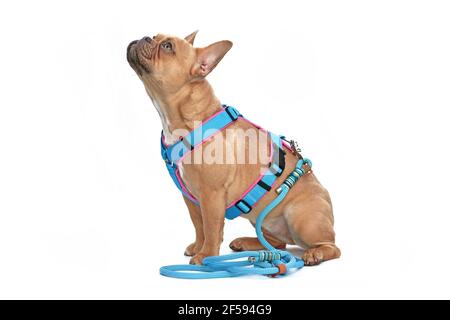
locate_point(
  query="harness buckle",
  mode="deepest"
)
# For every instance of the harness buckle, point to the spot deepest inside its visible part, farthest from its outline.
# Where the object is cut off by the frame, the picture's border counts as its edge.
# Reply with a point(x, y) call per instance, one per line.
point(169, 162)
point(187, 144)
point(232, 112)
point(276, 169)
point(264, 185)
point(279, 161)
point(244, 206)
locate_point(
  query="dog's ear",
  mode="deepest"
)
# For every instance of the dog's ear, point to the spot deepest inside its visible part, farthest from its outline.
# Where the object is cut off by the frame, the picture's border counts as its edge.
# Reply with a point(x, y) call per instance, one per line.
point(209, 57)
point(190, 38)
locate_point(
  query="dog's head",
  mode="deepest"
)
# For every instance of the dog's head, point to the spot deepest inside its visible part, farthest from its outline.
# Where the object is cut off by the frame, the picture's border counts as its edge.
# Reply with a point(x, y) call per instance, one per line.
point(166, 63)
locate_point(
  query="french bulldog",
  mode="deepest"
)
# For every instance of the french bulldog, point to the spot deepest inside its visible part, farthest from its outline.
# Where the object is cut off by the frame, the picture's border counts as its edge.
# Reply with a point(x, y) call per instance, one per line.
point(174, 74)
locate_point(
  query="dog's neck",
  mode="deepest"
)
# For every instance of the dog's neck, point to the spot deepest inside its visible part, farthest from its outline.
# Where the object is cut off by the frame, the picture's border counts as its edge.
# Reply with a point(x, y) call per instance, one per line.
point(186, 109)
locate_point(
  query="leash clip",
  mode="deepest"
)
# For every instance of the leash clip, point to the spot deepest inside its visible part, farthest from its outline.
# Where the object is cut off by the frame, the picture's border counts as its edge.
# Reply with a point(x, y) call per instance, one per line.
point(295, 148)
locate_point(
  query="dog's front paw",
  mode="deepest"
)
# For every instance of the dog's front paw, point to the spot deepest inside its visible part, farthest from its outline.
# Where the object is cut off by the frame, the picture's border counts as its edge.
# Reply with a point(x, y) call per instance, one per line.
point(192, 249)
point(198, 259)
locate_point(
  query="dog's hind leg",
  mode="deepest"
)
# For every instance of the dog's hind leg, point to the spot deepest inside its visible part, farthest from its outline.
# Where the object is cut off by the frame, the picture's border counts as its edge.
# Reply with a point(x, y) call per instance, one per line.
point(310, 223)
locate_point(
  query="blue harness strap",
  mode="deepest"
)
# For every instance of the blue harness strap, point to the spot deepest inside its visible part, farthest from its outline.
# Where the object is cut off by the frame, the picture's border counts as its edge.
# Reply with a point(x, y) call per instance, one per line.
point(174, 153)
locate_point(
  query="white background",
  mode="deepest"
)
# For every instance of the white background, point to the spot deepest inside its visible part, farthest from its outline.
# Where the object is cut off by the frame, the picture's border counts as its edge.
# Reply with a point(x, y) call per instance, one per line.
point(87, 209)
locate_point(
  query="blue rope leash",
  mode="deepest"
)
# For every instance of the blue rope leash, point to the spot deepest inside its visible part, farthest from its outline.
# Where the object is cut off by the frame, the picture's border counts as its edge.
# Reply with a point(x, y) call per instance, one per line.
point(271, 262)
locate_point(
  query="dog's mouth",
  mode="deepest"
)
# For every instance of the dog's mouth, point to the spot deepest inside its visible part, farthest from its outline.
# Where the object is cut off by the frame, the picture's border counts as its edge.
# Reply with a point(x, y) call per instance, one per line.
point(140, 54)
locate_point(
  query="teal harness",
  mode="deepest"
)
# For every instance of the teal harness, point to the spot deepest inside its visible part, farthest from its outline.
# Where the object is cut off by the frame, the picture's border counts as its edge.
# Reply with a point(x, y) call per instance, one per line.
point(176, 152)
point(270, 262)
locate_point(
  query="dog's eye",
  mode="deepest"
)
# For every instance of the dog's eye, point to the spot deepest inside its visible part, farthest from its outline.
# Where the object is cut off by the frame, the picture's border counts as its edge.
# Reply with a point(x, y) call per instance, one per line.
point(166, 46)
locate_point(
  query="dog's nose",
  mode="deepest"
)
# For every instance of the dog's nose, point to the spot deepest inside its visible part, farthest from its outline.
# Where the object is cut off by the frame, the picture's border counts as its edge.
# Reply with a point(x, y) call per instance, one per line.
point(147, 39)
